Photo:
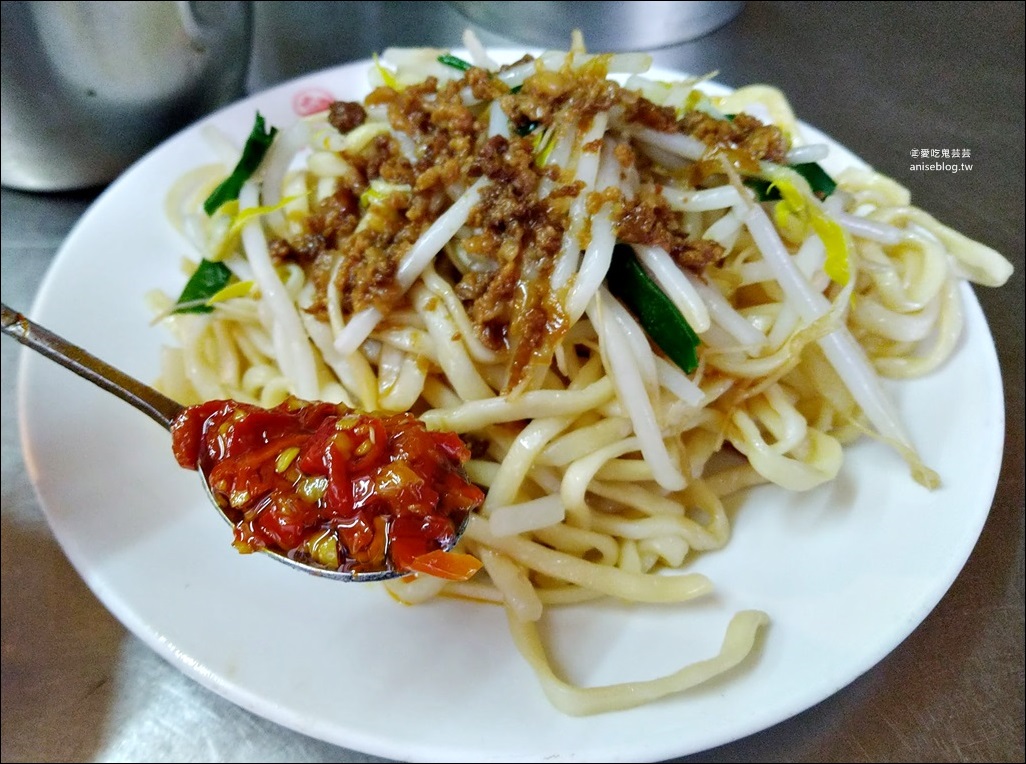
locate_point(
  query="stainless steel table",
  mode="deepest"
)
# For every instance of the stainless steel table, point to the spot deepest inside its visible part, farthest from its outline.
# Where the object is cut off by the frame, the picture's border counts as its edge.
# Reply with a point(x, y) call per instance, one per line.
point(883, 79)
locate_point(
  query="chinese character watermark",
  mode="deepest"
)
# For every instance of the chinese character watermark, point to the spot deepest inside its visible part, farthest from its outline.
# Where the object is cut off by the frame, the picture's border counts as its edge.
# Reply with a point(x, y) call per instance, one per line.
point(940, 153)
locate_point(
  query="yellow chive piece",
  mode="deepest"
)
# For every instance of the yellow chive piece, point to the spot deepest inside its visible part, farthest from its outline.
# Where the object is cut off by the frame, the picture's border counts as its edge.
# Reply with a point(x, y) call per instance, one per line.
point(597, 66)
point(238, 289)
point(794, 214)
point(379, 190)
point(387, 76)
point(239, 219)
point(836, 265)
point(544, 146)
point(252, 212)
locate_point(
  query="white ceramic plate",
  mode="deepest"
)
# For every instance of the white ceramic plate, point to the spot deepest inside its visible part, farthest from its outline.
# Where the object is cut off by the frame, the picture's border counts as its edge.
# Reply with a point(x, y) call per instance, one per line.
point(845, 572)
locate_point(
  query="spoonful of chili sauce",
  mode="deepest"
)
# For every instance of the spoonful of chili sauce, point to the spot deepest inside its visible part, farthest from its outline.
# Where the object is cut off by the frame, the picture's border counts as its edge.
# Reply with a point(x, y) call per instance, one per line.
point(350, 495)
point(332, 490)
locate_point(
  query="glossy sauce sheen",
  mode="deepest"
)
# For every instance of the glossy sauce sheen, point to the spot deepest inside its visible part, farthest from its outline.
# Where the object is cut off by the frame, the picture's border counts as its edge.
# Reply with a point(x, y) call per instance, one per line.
point(345, 490)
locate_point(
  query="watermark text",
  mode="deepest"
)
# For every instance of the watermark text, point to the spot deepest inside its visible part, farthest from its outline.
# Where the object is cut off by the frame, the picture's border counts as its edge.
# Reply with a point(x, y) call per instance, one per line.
point(926, 154)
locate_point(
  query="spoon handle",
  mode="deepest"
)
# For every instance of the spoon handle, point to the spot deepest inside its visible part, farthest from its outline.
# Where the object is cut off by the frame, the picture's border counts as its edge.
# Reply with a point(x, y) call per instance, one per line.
point(151, 402)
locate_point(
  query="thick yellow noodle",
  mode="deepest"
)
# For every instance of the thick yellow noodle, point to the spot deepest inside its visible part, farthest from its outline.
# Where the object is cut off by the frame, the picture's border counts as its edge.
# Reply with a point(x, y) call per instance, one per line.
point(582, 501)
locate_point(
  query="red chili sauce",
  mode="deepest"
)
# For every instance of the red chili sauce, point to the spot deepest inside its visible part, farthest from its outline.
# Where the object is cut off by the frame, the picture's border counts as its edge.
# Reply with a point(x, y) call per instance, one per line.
point(324, 484)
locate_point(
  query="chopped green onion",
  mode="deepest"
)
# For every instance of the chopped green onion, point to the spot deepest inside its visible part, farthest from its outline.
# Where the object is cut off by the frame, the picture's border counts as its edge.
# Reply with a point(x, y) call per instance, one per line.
point(656, 313)
point(208, 279)
point(253, 152)
point(454, 61)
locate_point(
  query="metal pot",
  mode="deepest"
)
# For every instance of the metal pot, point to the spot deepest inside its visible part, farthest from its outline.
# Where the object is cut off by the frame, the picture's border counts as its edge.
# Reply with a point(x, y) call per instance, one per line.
point(606, 26)
point(88, 87)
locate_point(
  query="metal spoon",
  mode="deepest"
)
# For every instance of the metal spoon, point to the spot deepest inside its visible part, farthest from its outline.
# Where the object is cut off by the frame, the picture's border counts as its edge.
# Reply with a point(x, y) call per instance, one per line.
point(162, 410)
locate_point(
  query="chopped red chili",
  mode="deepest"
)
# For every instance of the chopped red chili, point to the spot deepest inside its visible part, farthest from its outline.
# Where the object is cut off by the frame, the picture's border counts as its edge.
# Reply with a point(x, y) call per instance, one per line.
point(322, 483)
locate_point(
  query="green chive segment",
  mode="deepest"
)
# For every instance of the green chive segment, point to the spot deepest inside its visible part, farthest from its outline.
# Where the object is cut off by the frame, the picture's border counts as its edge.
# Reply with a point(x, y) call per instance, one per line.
point(820, 182)
point(658, 316)
point(208, 279)
point(454, 61)
point(211, 277)
point(260, 139)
